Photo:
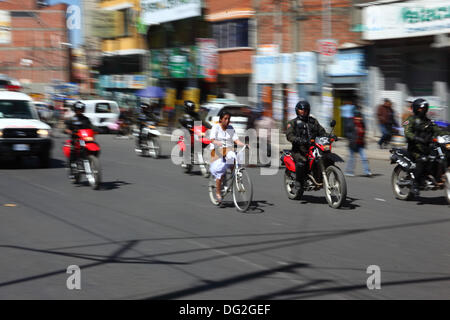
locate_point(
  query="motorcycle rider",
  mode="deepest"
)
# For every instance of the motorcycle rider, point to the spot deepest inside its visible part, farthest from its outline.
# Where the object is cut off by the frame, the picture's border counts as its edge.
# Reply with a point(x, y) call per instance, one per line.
point(419, 132)
point(190, 116)
point(299, 132)
point(77, 122)
point(146, 114)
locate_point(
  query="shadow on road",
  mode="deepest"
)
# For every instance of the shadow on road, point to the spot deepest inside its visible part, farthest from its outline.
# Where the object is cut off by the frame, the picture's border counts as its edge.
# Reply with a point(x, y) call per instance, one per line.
point(29, 163)
point(249, 244)
point(434, 201)
point(112, 185)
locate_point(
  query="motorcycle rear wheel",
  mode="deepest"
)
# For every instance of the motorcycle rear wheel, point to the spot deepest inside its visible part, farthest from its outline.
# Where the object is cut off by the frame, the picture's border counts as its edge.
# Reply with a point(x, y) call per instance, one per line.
point(73, 173)
point(404, 193)
point(292, 192)
point(96, 172)
point(336, 191)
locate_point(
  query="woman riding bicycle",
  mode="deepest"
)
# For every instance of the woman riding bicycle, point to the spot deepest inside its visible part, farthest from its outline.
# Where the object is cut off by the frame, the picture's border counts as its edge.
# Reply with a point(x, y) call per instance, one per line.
point(223, 136)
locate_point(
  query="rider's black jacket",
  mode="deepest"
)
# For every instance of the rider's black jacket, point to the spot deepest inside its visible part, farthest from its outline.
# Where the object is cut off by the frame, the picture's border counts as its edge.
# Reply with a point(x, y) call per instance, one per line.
point(78, 122)
point(299, 132)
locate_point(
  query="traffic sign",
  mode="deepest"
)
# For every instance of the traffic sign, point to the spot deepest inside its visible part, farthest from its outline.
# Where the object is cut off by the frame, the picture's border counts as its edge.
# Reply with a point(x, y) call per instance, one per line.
point(327, 47)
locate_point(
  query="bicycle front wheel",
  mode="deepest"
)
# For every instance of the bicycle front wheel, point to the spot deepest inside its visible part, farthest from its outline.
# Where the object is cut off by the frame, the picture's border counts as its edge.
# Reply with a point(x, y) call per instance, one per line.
point(242, 190)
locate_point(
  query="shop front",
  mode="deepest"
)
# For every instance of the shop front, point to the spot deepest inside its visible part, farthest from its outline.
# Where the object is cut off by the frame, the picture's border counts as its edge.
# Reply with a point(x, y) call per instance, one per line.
point(408, 56)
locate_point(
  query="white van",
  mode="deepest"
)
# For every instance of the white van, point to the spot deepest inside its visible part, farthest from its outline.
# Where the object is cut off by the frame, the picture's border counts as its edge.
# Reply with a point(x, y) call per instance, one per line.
point(22, 134)
point(101, 112)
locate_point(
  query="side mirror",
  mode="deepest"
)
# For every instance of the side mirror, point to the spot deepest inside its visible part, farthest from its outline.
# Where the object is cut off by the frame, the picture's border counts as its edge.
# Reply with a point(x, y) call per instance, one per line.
point(333, 123)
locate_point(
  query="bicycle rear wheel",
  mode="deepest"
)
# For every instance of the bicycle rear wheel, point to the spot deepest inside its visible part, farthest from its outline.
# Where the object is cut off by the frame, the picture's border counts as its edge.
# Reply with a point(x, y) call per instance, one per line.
point(212, 191)
point(242, 190)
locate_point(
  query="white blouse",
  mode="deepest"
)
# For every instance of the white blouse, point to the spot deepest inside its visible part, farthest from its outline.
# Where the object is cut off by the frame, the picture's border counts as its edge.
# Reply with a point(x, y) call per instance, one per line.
point(227, 137)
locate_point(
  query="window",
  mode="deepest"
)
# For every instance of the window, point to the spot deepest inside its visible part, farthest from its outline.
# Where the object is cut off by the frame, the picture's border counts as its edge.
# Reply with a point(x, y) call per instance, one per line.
point(102, 108)
point(16, 109)
point(231, 34)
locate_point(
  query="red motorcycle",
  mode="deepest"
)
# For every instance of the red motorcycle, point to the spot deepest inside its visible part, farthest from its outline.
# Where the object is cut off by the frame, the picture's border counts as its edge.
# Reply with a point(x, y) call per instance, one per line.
point(322, 172)
point(197, 135)
point(86, 154)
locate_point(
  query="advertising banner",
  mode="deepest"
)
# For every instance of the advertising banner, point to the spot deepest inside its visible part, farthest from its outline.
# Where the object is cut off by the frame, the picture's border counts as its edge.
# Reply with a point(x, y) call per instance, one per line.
point(348, 63)
point(406, 19)
point(208, 59)
point(108, 24)
point(265, 69)
point(305, 67)
point(160, 11)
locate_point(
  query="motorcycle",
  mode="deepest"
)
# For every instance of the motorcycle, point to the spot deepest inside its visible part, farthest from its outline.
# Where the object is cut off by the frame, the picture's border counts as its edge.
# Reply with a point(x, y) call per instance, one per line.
point(322, 172)
point(436, 174)
point(87, 152)
point(197, 133)
point(149, 146)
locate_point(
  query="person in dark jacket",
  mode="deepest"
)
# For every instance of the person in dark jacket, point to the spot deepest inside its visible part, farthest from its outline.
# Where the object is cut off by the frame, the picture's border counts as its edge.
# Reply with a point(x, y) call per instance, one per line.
point(77, 122)
point(386, 120)
point(419, 132)
point(299, 132)
point(357, 143)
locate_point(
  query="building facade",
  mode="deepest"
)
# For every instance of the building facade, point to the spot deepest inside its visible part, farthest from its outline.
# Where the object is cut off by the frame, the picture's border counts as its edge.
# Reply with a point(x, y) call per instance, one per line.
point(33, 44)
point(124, 63)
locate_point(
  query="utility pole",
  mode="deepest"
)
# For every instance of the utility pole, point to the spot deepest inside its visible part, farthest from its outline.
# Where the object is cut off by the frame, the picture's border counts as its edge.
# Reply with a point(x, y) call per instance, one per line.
point(326, 90)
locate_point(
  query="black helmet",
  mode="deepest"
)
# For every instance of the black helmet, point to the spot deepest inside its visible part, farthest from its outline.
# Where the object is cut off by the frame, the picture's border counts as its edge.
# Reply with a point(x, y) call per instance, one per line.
point(420, 107)
point(79, 106)
point(303, 105)
point(189, 106)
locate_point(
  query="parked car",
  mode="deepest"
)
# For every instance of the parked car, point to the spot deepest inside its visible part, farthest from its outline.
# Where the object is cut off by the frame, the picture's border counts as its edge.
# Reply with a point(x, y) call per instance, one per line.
point(239, 114)
point(102, 113)
point(22, 134)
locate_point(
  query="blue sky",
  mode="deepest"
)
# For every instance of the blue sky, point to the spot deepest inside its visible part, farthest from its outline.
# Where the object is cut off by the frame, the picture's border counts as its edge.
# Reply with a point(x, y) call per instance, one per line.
point(75, 35)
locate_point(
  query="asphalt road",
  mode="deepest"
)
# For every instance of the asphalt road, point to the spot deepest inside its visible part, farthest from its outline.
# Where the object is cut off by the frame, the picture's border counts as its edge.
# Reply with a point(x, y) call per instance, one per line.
point(152, 233)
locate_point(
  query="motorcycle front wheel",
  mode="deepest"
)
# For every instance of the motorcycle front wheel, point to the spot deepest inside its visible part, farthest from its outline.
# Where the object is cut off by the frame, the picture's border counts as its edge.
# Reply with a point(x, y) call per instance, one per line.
point(96, 172)
point(336, 190)
point(401, 184)
point(154, 147)
point(292, 191)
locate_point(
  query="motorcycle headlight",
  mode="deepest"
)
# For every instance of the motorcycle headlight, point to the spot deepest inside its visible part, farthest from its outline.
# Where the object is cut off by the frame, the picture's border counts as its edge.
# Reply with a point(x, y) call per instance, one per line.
point(447, 145)
point(326, 147)
point(89, 139)
point(152, 127)
point(1, 133)
point(43, 133)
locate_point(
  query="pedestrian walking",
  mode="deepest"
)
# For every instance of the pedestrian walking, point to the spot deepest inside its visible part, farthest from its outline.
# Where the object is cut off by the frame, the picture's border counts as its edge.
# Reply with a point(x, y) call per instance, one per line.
point(347, 113)
point(386, 120)
point(356, 144)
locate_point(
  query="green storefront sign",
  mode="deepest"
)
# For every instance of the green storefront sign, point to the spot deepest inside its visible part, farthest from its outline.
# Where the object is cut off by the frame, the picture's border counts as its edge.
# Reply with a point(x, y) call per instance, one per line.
point(420, 14)
point(174, 63)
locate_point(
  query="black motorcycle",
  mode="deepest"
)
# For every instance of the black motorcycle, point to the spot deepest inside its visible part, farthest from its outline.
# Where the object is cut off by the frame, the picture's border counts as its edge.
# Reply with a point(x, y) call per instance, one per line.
point(436, 174)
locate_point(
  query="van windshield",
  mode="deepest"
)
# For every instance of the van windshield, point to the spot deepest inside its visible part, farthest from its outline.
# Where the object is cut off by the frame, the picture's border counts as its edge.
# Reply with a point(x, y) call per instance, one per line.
point(17, 109)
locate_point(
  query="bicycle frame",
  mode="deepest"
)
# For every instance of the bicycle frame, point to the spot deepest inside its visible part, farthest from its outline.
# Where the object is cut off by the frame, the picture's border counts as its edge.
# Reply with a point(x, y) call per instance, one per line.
point(228, 186)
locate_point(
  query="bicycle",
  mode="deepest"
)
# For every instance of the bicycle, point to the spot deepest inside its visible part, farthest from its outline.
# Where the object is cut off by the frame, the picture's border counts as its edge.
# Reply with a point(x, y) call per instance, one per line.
point(239, 183)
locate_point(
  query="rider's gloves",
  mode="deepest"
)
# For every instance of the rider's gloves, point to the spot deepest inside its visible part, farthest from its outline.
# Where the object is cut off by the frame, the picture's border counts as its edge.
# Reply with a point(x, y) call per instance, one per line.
point(300, 140)
point(421, 140)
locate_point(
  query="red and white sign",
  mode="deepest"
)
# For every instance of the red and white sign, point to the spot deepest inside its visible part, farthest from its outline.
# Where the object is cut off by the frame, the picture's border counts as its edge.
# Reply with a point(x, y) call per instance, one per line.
point(327, 47)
